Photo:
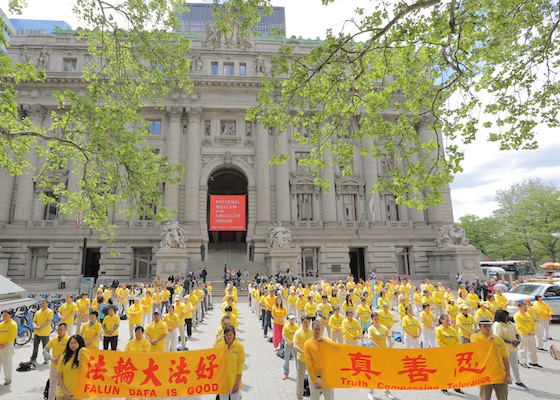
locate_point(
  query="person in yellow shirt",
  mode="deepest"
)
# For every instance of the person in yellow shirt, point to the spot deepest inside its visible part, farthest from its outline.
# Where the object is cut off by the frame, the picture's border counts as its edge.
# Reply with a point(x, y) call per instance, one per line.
point(380, 337)
point(439, 302)
point(225, 321)
point(501, 299)
point(110, 326)
point(91, 332)
point(401, 309)
point(537, 318)
point(156, 332)
point(448, 295)
point(313, 353)
point(386, 316)
point(417, 301)
point(300, 305)
point(188, 310)
point(335, 325)
point(452, 311)
point(292, 300)
point(279, 313)
point(311, 308)
point(228, 311)
point(545, 313)
point(171, 319)
point(134, 313)
point(427, 319)
point(351, 329)
point(288, 331)
point(58, 345)
point(483, 311)
point(269, 302)
point(485, 333)
point(526, 328)
point(466, 324)
point(139, 343)
point(235, 356)
point(157, 300)
point(41, 327)
point(474, 299)
point(428, 286)
point(324, 311)
point(166, 294)
point(364, 315)
point(411, 329)
point(83, 305)
point(446, 335)
point(229, 302)
point(146, 303)
point(492, 304)
point(67, 312)
point(8, 334)
point(300, 337)
point(122, 293)
point(464, 301)
point(67, 368)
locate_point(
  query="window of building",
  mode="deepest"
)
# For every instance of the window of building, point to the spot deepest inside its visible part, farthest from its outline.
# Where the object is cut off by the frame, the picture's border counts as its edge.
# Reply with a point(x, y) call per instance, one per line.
point(148, 211)
point(154, 126)
point(228, 69)
point(50, 210)
point(301, 155)
point(227, 128)
point(207, 127)
point(214, 66)
point(392, 208)
point(39, 262)
point(310, 261)
point(349, 207)
point(144, 266)
point(404, 260)
point(70, 64)
point(248, 128)
point(305, 207)
point(242, 69)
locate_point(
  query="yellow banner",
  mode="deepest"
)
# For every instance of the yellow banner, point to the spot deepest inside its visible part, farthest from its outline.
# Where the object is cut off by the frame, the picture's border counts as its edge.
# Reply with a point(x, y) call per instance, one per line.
point(453, 367)
point(110, 374)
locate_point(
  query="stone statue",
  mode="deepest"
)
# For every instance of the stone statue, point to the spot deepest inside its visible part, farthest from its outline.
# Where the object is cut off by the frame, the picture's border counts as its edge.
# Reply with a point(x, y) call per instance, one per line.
point(173, 236)
point(451, 235)
point(24, 55)
point(211, 37)
point(43, 58)
point(197, 62)
point(259, 64)
point(279, 237)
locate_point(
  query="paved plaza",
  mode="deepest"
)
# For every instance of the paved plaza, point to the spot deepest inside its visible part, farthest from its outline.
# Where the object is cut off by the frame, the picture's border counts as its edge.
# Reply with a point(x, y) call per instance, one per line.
point(262, 378)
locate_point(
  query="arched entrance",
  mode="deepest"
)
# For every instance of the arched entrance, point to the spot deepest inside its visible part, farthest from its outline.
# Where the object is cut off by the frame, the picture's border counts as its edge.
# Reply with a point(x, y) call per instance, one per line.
point(227, 182)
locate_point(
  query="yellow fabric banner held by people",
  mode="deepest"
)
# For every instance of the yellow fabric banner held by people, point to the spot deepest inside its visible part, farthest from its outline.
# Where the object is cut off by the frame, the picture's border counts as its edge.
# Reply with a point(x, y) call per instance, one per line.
point(111, 374)
point(453, 367)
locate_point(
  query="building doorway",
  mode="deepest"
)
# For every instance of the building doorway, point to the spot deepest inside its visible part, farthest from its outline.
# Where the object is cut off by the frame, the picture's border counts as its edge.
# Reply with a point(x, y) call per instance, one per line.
point(91, 267)
point(357, 263)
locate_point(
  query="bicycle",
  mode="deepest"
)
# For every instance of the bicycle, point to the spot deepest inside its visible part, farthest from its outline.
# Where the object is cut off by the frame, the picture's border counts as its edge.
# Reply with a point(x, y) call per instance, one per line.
point(25, 329)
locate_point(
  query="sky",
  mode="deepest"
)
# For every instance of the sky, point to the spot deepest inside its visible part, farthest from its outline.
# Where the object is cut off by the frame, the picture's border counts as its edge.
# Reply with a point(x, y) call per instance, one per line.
point(486, 169)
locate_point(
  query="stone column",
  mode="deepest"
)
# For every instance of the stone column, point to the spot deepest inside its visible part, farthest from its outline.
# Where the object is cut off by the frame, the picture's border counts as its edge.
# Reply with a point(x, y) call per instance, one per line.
point(171, 196)
point(192, 166)
point(371, 171)
point(25, 186)
point(262, 175)
point(282, 174)
point(7, 185)
point(434, 212)
point(329, 198)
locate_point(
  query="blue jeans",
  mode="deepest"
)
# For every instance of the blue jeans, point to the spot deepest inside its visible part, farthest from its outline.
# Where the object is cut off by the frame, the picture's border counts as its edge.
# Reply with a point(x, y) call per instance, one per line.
point(287, 354)
point(267, 322)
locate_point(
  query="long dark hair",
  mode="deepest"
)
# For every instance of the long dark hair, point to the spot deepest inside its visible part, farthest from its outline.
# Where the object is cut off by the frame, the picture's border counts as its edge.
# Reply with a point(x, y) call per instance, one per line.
point(68, 353)
point(501, 316)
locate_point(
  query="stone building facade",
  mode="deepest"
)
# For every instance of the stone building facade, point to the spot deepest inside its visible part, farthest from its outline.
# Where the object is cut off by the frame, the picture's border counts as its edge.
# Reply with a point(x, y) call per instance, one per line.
point(345, 230)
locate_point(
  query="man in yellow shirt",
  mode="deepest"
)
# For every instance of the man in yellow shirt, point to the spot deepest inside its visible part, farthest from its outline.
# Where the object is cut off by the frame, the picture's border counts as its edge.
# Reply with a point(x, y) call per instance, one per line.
point(335, 325)
point(427, 321)
point(122, 293)
point(171, 319)
point(156, 332)
point(188, 310)
point(466, 324)
point(300, 337)
point(42, 328)
point(91, 332)
point(311, 307)
point(82, 304)
point(139, 343)
point(485, 333)
point(351, 329)
point(313, 361)
point(526, 328)
point(67, 313)
point(288, 332)
point(134, 313)
point(8, 333)
point(58, 346)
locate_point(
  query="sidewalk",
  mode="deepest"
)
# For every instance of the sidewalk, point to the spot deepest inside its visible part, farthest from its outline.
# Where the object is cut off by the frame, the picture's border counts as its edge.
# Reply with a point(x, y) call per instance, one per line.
point(262, 378)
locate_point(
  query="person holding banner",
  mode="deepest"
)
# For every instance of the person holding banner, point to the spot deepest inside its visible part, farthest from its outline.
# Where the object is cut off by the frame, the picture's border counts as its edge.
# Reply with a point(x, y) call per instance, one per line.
point(313, 353)
point(156, 332)
point(411, 329)
point(139, 343)
point(300, 337)
point(485, 333)
point(68, 368)
point(379, 337)
point(235, 358)
point(446, 335)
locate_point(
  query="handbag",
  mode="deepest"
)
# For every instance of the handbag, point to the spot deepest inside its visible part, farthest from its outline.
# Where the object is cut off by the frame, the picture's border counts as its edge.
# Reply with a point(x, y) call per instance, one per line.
point(25, 366)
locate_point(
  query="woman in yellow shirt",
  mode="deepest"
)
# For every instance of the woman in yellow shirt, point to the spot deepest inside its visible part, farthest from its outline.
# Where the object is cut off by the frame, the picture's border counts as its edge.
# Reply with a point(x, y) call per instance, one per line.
point(235, 356)
point(68, 368)
point(146, 304)
point(364, 315)
point(279, 313)
point(412, 330)
point(171, 319)
point(474, 299)
point(335, 323)
point(483, 311)
point(111, 328)
point(348, 304)
point(351, 329)
point(446, 335)
point(452, 311)
point(91, 332)
point(493, 305)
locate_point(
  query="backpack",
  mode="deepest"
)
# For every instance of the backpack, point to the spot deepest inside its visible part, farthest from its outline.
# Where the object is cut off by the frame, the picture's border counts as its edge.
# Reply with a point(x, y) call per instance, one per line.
point(25, 366)
point(46, 391)
point(280, 350)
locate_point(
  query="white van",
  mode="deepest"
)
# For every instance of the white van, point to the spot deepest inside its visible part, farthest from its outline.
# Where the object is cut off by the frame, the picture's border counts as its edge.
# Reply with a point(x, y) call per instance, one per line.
point(491, 272)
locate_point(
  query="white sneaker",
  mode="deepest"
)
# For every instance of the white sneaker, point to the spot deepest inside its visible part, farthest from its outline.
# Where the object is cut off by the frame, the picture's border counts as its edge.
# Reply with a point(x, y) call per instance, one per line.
point(370, 395)
point(389, 395)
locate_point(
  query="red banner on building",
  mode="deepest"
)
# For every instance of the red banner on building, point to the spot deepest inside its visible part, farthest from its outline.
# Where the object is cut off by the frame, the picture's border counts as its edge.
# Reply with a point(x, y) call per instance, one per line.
point(227, 213)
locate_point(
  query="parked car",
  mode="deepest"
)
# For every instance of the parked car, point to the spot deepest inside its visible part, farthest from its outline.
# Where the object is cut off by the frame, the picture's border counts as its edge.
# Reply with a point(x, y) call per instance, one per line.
point(548, 289)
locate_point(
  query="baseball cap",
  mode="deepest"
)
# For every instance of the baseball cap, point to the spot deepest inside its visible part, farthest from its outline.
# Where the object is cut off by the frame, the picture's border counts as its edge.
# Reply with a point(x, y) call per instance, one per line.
point(484, 320)
point(464, 307)
point(291, 316)
point(157, 312)
point(385, 304)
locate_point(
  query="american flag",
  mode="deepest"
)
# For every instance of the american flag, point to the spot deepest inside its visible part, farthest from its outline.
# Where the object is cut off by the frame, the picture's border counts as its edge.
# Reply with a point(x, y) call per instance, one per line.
point(79, 220)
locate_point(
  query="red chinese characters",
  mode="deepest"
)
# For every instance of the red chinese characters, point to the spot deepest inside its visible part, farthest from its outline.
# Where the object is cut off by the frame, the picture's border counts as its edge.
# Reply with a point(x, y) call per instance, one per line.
point(96, 370)
point(150, 373)
point(124, 371)
point(416, 368)
point(178, 373)
point(206, 371)
point(465, 364)
point(361, 363)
